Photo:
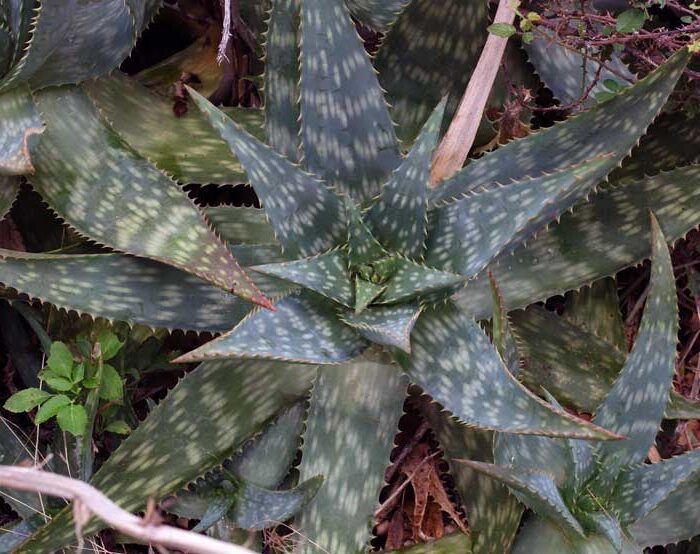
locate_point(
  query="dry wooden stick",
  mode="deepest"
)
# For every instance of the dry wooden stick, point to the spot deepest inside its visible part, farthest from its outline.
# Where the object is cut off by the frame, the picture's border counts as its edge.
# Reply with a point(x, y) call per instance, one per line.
point(87, 501)
point(454, 148)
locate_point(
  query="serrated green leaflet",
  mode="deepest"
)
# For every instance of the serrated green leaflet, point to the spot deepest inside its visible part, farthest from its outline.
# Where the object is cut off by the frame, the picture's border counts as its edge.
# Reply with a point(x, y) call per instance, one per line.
point(429, 53)
point(377, 14)
point(184, 436)
point(9, 186)
point(411, 280)
point(465, 235)
point(597, 309)
point(493, 513)
point(501, 332)
point(577, 366)
point(399, 218)
point(186, 147)
point(326, 274)
point(537, 490)
point(641, 489)
point(353, 415)
point(110, 195)
point(387, 325)
point(123, 288)
point(21, 129)
point(450, 544)
point(362, 246)
point(241, 225)
point(72, 41)
point(282, 75)
point(302, 328)
point(347, 135)
point(611, 127)
point(365, 293)
point(308, 218)
point(568, 74)
point(454, 362)
point(635, 405)
point(674, 520)
point(577, 250)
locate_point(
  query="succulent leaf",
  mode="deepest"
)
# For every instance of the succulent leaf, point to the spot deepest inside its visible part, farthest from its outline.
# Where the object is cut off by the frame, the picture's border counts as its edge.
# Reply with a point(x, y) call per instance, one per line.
point(428, 53)
point(308, 217)
point(326, 274)
point(454, 362)
point(21, 129)
point(282, 76)
point(467, 234)
point(535, 489)
point(411, 280)
point(302, 328)
point(612, 127)
point(340, 95)
point(241, 397)
point(241, 225)
point(355, 408)
point(377, 14)
point(123, 288)
point(502, 333)
point(363, 248)
point(494, 514)
point(577, 366)
point(186, 147)
point(568, 73)
point(577, 250)
point(71, 41)
point(9, 187)
point(386, 325)
point(674, 520)
point(107, 193)
point(365, 293)
point(607, 525)
point(399, 218)
point(640, 489)
point(635, 405)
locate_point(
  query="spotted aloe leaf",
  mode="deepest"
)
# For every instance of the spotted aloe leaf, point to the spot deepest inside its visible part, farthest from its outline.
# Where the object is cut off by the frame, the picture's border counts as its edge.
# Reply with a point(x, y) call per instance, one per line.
point(577, 250)
point(107, 193)
point(339, 95)
point(377, 14)
point(282, 75)
point(537, 490)
point(674, 520)
point(635, 405)
point(568, 74)
point(71, 41)
point(366, 292)
point(354, 407)
point(7, 39)
point(21, 129)
point(307, 216)
point(154, 461)
point(552, 149)
point(494, 514)
point(399, 217)
point(410, 280)
point(386, 325)
point(454, 362)
point(429, 53)
point(502, 332)
point(641, 489)
point(9, 186)
point(577, 366)
point(302, 328)
point(363, 247)
point(186, 147)
point(241, 225)
point(326, 274)
point(467, 234)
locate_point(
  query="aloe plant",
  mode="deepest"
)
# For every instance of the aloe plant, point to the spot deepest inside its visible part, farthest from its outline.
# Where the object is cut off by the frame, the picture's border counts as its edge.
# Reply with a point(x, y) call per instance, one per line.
point(376, 279)
point(603, 497)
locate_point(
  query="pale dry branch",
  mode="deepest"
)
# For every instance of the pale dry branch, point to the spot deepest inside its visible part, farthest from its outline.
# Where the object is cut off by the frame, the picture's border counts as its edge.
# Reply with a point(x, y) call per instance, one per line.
point(455, 145)
point(88, 501)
